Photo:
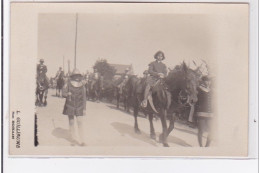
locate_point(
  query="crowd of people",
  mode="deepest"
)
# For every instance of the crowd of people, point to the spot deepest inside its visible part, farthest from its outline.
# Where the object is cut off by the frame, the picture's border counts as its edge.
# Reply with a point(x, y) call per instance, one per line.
point(75, 104)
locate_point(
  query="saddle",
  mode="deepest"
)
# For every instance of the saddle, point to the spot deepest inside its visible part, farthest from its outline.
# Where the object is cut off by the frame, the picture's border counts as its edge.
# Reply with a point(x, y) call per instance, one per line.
point(159, 85)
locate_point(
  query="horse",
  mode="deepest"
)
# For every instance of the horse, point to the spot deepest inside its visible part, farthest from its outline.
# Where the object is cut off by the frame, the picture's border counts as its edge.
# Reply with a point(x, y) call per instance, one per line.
point(41, 90)
point(159, 97)
point(108, 91)
point(182, 83)
point(60, 83)
point(164, 98)
point(94, 89)
point(121, 92)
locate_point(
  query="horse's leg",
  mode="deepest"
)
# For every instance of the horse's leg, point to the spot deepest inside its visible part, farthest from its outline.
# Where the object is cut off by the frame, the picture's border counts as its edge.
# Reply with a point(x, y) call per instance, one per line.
point(152, 133)
point(127, 104)
point(40, 97)
point(163, 136)
point(200, 131)
point(98, 96)
point(209, 137)
point(36, 100)
point(45, 97)
point(171, 126)
point(87, 94)
point(118, 100)
point(137, 130)
point(95, 95)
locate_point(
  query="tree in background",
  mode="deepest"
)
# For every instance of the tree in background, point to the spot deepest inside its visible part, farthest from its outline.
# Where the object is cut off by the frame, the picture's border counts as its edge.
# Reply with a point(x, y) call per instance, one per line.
point(105, 69)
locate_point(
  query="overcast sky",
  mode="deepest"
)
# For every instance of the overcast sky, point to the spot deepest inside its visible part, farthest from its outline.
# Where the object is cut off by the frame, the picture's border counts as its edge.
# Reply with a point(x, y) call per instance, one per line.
point(123, 39)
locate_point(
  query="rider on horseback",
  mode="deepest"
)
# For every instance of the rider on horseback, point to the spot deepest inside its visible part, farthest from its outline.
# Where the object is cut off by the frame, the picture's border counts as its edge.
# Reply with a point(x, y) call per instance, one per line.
point(124, 77)
point(94, 78)
point(157, 70)
point(145, 74)
point(42, 70)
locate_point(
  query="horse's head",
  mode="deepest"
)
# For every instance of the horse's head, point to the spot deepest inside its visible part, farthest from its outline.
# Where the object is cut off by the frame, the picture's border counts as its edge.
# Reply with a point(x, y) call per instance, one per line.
point(191, 85)
point(185, 80)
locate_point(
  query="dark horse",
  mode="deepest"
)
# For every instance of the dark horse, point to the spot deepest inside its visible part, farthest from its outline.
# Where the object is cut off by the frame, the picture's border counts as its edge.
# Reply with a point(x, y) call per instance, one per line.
point(60, 83)
point(41, 90)
point(94, 89)
point(164, 98)
point(108, 92)
point(122, 93)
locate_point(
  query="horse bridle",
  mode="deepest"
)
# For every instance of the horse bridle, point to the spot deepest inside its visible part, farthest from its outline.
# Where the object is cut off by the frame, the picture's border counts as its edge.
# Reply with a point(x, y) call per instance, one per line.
point(180, 98)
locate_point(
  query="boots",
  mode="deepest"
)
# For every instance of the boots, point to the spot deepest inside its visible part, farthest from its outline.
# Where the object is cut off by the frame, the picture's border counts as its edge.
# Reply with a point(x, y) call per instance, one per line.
point(146, 94)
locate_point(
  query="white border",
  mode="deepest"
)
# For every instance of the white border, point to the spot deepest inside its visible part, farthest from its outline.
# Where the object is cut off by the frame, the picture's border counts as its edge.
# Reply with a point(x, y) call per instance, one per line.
point(135, 164)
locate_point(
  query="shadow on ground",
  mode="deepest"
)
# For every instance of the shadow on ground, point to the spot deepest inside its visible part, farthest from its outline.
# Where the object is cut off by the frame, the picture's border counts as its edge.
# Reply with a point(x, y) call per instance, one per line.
point(125, 112)
point(178, 141)
point(64, 134)
point(119, 109)
point(53, 95)
point(185, 131)
point(125, 129)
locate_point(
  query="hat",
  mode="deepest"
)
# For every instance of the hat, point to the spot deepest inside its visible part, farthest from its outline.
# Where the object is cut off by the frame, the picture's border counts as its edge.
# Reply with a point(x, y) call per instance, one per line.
point(157, 53)
point(41, 60)
point(76, 72)
point(145, 72)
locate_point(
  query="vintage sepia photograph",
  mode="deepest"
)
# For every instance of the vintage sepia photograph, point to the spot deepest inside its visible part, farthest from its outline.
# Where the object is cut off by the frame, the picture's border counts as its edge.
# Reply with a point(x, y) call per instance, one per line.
point(131, 79)
point(122, 74)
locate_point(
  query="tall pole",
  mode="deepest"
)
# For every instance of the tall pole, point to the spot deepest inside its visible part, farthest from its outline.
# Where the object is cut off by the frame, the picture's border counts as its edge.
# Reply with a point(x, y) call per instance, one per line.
point(69, 67)
point(75, 55)
point(63, 64)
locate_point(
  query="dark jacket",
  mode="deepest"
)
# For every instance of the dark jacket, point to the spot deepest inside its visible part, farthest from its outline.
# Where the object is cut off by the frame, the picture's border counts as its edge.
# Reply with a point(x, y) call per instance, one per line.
point(204, 103)
point(76, 102)
point(157, 67)
point(41, 69)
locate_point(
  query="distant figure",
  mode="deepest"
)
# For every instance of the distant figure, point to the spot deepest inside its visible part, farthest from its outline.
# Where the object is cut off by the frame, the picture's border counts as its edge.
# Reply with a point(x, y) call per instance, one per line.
point(75, 105)
point(60, 81)
point(157, 70)
point(145, 74)
point(42, 70)
point(59, 73)
point(125, 77)
point(94, 78)
point(42, 83)
point(204, 111)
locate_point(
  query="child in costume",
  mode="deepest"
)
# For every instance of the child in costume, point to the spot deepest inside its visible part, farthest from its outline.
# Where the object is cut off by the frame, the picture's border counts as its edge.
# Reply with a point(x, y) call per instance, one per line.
point(75, 105)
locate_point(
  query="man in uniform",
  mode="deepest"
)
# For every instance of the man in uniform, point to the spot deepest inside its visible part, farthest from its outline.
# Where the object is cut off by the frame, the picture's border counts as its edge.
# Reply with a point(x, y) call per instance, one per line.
point(42, 70)
point(124, 80)
point(59, 72)
point(157, 70)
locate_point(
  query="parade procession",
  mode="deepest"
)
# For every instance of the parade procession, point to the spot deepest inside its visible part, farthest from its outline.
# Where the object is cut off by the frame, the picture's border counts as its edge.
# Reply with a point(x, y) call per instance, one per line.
point(150, 109)
point(142, 80)
point(95, 94)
